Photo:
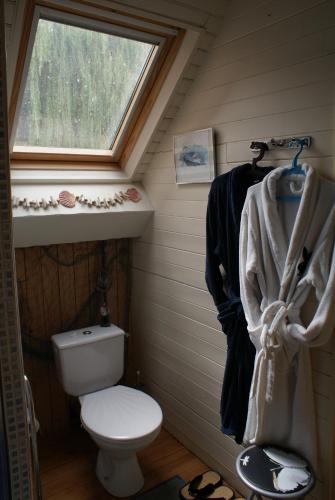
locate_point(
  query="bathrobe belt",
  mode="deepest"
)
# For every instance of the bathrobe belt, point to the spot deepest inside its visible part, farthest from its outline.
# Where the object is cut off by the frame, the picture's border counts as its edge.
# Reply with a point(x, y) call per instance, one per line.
point(273, 322)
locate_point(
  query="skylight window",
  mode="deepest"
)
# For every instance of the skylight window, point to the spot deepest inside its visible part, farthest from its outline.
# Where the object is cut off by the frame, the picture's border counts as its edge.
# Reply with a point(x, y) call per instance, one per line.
point(80, 84)
point(89, 80)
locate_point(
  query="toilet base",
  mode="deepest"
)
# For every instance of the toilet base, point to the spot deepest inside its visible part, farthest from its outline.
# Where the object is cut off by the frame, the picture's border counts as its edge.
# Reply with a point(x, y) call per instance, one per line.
point(119, 472)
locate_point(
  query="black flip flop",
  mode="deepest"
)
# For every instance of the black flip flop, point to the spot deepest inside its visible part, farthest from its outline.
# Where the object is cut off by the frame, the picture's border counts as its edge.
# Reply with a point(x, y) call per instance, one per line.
point(201, 486)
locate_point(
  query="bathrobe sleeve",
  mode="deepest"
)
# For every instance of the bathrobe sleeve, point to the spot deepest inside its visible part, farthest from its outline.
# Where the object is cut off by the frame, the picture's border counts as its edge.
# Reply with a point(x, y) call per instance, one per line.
point(214, 272)
point(321, 276)
point(250, 267)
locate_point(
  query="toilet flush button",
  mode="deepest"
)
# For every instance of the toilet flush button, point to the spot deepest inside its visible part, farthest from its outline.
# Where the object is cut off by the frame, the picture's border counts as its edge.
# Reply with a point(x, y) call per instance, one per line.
point(87, 332)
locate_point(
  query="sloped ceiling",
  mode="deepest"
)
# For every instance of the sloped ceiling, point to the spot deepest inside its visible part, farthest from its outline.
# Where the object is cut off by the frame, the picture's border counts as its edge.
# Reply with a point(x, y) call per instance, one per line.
point(204, 16)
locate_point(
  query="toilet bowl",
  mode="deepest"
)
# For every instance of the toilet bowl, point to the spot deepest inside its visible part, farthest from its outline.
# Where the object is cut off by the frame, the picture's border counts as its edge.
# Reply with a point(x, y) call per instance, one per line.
point(120, 420)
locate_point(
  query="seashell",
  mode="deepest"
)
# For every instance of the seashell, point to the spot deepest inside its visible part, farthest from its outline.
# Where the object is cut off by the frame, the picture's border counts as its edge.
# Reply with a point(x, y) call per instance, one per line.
point(118, 198)
point(67, 199)
point(53, 202)
point(133, 195)
point(16, 201)
point(123, 195)
point(34, 204)
point(111, 202)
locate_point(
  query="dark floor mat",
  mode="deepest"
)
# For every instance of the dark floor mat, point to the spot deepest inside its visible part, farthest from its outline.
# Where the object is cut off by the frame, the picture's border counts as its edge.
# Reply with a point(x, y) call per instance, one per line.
point(168, 490)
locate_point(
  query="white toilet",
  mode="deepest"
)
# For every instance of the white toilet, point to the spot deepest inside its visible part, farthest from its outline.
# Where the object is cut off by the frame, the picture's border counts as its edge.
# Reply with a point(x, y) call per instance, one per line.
point(120, 420)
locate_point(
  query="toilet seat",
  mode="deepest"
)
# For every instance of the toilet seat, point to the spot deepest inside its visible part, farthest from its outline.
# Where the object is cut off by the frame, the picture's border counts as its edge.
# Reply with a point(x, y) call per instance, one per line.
point(120, 413)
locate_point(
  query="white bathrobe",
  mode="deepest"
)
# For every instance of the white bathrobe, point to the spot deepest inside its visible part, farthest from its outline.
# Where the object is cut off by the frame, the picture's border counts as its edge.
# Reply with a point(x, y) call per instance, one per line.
point(276, 277)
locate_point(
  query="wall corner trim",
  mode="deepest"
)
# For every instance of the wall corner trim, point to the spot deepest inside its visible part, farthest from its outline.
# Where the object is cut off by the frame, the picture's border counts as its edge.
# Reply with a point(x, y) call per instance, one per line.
point(185, 52)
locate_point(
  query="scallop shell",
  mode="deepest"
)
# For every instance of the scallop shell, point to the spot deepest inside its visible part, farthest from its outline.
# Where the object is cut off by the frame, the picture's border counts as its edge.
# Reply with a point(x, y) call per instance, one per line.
point(133, 195)
point(67, 199)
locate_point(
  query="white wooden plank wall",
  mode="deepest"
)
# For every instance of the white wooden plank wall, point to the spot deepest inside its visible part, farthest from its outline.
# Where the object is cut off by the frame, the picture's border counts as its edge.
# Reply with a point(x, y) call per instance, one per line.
point(269, 72)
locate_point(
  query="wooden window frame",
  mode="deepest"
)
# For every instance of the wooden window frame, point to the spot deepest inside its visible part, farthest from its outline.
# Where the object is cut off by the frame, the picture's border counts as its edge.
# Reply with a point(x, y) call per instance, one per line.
point(135, 116)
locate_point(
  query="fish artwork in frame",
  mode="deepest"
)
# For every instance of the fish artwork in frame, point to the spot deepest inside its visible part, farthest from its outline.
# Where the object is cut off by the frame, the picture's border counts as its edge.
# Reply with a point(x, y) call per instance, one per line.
point(194, 156)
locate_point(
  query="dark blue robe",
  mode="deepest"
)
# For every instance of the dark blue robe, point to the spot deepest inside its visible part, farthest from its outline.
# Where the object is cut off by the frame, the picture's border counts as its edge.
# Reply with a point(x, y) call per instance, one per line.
point(225, 203)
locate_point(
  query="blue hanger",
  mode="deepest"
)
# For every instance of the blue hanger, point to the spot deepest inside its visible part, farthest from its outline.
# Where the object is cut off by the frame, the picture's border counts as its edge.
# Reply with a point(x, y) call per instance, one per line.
point(294, 169)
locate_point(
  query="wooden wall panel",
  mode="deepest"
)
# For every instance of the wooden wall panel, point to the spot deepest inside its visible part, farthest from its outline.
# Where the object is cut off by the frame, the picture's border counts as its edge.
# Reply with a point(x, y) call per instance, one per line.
point(81, 283)
point(112, 296)
point(36, 332)
point(52, 325)
point(57, 291)
point(66, 283)
point(94, 267)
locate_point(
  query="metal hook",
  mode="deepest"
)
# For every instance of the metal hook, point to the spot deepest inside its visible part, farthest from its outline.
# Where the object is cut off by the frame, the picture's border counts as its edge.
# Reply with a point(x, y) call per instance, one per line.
point(263, 147)
point(295, 159)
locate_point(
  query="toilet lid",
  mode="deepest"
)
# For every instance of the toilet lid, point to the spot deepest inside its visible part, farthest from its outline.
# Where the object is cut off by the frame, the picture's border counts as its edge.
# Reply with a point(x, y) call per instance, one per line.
point(120, 412)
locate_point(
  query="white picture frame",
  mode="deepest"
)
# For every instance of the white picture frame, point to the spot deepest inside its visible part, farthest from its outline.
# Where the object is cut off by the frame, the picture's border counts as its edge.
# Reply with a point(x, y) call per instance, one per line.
point(194, 156)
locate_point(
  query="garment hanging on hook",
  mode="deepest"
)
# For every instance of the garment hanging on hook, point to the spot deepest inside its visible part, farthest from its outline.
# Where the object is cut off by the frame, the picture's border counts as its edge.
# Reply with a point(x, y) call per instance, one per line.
point(225, 203)
point(279, 268)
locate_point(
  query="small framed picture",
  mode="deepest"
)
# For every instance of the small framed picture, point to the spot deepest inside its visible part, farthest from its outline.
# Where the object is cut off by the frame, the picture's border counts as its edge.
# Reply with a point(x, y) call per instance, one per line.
point(194, 156)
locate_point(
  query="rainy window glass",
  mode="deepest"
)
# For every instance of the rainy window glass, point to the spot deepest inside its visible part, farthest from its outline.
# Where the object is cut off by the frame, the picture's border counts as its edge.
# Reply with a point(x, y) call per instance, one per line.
point(79, 86)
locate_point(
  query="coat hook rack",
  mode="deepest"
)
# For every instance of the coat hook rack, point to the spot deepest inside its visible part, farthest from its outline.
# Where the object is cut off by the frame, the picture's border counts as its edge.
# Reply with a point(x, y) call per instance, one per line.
point(286, 143)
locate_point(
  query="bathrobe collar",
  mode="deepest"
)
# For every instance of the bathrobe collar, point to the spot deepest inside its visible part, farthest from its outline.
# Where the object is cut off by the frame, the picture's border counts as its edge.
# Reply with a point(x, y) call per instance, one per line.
point(286, 255)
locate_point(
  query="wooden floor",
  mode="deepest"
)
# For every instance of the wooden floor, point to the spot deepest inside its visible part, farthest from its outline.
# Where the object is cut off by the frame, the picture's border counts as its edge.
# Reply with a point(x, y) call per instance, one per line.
point(68, 466)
